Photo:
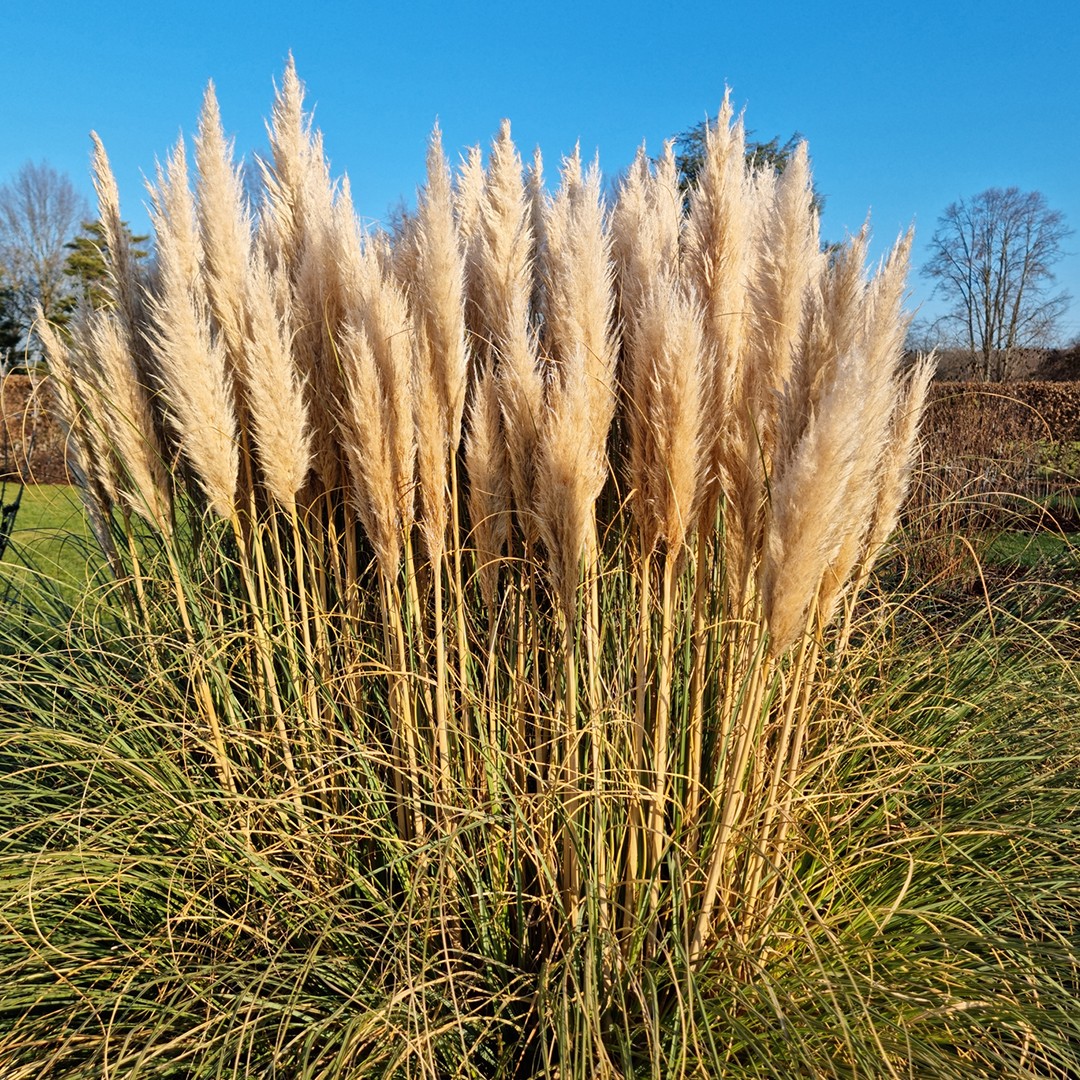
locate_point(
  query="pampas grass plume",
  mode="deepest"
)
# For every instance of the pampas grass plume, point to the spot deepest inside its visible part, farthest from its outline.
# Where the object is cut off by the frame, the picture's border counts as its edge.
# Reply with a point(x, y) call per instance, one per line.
point(669, 411)
point(274, 391)
point(369, 449)
point(198, 390)
point(489, 490)
point(382, 310)
point(438, 291)
point(226, 230)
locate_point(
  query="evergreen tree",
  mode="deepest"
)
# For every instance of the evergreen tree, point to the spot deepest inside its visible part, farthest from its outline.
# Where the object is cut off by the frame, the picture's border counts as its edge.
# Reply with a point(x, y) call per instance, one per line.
point(690, 155)
point(86, 262)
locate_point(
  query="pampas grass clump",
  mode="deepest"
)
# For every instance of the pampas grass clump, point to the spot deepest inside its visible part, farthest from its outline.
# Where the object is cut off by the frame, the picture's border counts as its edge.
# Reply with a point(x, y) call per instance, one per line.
point(483, 688)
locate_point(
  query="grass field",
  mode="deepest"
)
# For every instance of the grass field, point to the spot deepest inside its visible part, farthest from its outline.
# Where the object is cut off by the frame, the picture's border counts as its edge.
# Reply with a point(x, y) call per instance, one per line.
point(51, 536)
point(1035, 549)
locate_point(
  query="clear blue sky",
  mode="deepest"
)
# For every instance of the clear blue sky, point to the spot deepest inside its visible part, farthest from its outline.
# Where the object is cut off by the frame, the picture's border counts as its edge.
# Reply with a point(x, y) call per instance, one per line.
point(906, 106)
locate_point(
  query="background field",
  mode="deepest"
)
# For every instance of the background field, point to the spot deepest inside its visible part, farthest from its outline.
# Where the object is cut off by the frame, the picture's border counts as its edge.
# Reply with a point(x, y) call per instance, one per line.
point(51, 536)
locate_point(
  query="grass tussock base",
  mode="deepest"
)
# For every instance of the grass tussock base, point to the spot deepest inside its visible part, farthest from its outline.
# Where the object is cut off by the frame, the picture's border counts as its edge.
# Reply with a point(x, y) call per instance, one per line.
point(482, 686)
point(158, 924)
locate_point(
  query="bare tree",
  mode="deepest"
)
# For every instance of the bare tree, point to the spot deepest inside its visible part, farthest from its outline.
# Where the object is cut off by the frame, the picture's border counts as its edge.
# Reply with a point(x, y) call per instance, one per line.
point(40, 211)
point(991, 256)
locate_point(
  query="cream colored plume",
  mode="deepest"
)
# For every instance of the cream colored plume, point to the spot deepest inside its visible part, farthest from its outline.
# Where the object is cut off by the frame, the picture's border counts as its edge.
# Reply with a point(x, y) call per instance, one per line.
point(382, 310)
point(89, 454)
point(369, 449)
point(287, 180)
point(468, 207)
point(646, 224)
point(662, 354)
point(720, 252)
point(438, 290)
point(226, 230)
point(122, 284)
point(299, 234)
point(501, 274)
point(821, 499)
point(501, 252)
point(788, 260)
point(437, 300)
point(274, 390)
point(579, 287)
point(143, 483)
point(570, 473)
point(123, 371)
point(198, 390)
point(579, 297)
point(835, 324)
point(900, 457)
point(665, 420)
point(489, 489)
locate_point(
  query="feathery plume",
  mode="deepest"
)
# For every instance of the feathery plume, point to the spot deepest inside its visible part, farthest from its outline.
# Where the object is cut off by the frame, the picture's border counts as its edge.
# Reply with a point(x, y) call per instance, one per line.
point(275, 394)
point(122, 283)
point(369, 450)
point(719, 259)
point(469, 195)
point(581, 401)
point(811, 509)
point(834, 325)
point(437, 298)
point(198, 390)
point(887, 323)
point(438, 290)
point(489, 491)
point(285, 178)
point(382, 310)
point(869, 321)
point(645, 228)
point(538, 200)
point(570, 474)
point(519, 386)
point(468, 208)
point(88, 453)
point(579, 279)
point(124, 404)
point(662, 352)
point(788, 260)
point(226, 229)
point(900, 456)
point(299, 232)
point(500, 268)
point(502, 250)
point(667, 398)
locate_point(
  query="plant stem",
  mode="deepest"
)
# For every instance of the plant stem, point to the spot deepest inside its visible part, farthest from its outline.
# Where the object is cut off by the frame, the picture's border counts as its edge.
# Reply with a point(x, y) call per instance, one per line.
point(748, 724)
point(697, 675)
point(635, 833)
point(442, 731)
point(657, 829)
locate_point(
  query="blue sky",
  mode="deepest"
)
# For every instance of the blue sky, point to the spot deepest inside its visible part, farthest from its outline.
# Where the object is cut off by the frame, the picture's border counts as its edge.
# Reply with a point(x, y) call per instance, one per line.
point(907, 107)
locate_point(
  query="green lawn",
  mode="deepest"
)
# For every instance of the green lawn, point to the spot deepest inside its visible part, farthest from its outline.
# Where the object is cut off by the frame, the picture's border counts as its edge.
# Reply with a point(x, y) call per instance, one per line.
point(51, 536)
point(1034, 549)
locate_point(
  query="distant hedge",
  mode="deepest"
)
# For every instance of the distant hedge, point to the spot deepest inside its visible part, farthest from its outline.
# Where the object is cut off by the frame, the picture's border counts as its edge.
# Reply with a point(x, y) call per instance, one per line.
point(1005, 412)
point(31, 442)
point(32, 446)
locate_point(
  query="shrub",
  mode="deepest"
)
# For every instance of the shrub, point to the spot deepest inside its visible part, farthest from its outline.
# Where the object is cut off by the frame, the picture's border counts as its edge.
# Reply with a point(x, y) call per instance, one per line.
point(483, 691)
point(994, 460)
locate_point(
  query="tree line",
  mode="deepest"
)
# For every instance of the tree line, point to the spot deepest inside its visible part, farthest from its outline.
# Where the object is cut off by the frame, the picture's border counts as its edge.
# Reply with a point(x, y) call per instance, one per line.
point(51, 254)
